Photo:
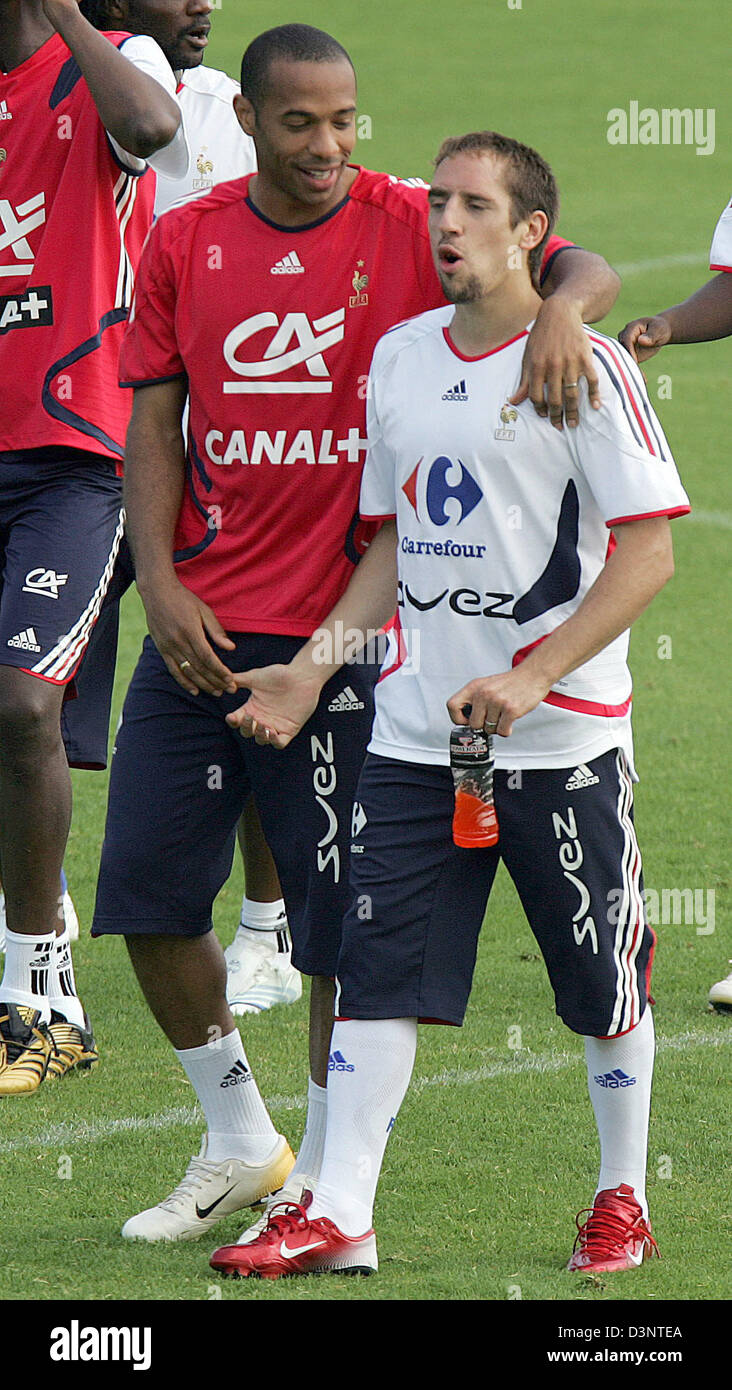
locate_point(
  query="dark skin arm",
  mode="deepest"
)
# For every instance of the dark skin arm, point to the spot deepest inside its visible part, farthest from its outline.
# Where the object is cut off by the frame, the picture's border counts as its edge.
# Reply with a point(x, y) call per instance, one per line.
point(136, 111)
point(180, 624)
point(580, 288)
point(702, 318)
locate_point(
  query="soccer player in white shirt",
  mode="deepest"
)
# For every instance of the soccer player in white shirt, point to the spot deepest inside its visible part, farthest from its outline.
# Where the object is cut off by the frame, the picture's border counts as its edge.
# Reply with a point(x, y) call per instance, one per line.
point(259, 964)
point(495, 538)
point(702, 318)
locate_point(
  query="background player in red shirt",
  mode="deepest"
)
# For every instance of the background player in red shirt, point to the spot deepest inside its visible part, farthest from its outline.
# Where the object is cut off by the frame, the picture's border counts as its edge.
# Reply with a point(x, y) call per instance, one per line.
point(81, 122)
point(260, 973)
point(265, 300)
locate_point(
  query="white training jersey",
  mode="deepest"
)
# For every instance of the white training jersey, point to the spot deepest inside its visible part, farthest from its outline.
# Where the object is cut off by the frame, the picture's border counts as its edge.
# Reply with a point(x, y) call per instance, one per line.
point(720, 256)
point(503, 527)
point(220, 151)
point(172, 160)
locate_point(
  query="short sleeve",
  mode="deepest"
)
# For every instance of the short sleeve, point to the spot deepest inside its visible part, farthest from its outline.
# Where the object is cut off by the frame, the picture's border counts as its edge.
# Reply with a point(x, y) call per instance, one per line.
point(150, 352)
point(720, 256)
point(621, 448)
point(173, 159)
point(378, 494)
point(554, 245)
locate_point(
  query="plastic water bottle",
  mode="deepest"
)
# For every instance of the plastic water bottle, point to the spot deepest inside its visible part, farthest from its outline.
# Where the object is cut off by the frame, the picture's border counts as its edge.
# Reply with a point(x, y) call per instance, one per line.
point(474, 823)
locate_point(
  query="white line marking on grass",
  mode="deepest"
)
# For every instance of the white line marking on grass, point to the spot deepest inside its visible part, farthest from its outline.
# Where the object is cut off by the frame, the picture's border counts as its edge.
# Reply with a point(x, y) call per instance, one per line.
point(88, 1131)
point(661, 263)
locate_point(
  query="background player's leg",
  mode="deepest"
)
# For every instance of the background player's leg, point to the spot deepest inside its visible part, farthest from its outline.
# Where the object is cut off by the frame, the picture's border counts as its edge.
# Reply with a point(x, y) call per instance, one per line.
point(259, 959)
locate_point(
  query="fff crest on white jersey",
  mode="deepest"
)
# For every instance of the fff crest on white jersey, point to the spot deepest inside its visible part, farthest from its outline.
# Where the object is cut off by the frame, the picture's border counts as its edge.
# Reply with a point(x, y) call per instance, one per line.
point(296, 342)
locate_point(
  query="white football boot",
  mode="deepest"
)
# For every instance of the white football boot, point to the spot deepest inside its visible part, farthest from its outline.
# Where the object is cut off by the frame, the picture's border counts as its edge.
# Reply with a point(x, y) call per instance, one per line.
point(720, 995)
point(260, 972)
point(208, 1192)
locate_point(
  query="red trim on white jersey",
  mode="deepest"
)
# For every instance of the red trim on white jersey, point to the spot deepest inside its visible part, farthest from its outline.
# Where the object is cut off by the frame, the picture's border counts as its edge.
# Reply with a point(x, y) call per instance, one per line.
point(726, 268)
point(648, 516)
point(571, 701)
point(481, 355)
point(401, 647)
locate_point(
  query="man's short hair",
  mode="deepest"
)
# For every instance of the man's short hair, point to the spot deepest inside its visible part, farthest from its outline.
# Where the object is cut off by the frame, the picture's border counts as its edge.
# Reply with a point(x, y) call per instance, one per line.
point(296, 43)
point(529, 180)
point(96, 12)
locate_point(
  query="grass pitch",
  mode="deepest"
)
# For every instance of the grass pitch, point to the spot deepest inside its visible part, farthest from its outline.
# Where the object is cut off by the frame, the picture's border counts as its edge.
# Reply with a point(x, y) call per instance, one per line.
point(495, 1147)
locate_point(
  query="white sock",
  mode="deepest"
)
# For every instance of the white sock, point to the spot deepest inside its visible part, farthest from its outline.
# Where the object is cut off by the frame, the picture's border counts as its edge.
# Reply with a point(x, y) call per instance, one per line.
point(264, 917)
point(62, 995)
point(27, 970)
point(237, 1118)
point(622, 1111)
point(365, 1092)
point(310, 1154)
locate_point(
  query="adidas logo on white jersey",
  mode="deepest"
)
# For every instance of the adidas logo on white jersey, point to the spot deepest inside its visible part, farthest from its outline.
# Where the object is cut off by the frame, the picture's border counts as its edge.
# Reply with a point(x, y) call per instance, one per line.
point(583, 776)
point(5, 115)
point(26, 641)
point(458, 392)
point(289, 265)
point(348, 699)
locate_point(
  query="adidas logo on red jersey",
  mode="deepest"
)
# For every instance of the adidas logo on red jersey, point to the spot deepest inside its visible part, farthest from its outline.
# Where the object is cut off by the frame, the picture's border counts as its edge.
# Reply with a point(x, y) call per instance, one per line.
point(289, 265)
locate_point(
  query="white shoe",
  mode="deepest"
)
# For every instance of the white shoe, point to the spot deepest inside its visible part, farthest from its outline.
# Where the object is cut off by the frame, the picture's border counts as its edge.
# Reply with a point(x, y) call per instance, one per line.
point(299, 1192)
point(208, 1192)
point(720, 995)
point(260, 974)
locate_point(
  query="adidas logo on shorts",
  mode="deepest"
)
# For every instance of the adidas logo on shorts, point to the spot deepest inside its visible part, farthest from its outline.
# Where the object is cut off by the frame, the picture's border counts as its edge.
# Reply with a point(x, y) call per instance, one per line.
point(26, 641)
point(348, 699)
point(236, 1076)
point(583, 776)
point(289, 265)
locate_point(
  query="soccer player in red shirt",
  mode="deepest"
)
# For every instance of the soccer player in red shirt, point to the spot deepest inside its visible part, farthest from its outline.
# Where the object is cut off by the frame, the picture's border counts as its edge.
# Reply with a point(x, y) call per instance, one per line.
point(263, 300)
point(79, 123)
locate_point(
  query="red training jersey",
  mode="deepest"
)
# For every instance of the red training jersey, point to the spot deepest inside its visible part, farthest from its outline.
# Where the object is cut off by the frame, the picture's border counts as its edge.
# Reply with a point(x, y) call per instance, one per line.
point(72, 224)
point(275, 328)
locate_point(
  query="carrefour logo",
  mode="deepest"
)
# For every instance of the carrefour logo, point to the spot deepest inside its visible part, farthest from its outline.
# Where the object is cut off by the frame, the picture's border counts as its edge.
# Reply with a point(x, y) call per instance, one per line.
point(444, 490)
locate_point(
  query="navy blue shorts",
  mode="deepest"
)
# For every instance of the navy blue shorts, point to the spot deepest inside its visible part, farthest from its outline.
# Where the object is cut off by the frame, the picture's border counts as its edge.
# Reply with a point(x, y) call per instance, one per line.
point(567, 838)
point(180, 779)
point(61, 523)
point(85, 718)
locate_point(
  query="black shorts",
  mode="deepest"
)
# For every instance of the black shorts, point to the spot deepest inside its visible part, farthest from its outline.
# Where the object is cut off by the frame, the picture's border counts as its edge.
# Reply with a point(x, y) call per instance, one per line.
point(180, 779)
point(567, 838)
point(85, 718)
point(61, 523)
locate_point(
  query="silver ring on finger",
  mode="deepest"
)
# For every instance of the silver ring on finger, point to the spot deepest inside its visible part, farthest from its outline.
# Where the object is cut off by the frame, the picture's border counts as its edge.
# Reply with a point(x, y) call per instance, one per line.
point(183, 665)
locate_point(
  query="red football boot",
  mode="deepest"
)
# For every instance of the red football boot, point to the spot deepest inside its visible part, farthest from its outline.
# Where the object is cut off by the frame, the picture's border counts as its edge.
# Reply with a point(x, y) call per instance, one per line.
point(291, 1243)
point(614, 1236)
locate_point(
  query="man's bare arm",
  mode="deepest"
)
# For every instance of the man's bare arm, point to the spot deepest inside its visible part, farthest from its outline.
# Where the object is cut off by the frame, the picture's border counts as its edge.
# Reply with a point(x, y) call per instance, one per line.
point(702, 318)
point(282, 697)
point(136, 111)
point(180, 624)
point(580, 288)
point(638, 568)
